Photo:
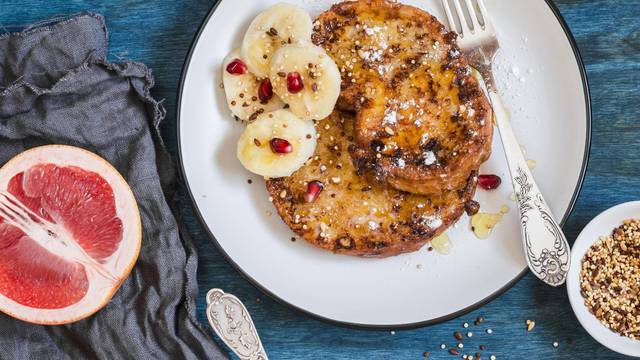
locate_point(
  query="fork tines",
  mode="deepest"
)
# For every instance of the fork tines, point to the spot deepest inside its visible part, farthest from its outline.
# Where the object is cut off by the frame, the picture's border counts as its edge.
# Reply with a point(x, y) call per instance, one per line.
point(472, 17)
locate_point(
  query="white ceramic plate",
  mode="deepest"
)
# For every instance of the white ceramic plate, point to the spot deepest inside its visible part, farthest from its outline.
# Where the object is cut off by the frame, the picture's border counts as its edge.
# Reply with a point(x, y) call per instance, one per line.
point(601, 225)
point(542, 80)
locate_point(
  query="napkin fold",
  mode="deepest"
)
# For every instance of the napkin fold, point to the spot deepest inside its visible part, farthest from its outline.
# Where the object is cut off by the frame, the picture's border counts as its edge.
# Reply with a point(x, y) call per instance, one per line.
point(57, 87)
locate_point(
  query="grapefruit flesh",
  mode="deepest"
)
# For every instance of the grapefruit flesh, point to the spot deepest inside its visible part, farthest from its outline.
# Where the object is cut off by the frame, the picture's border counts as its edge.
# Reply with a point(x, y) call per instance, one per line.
point(32, 276)
point(64, 192)
point(80, 237)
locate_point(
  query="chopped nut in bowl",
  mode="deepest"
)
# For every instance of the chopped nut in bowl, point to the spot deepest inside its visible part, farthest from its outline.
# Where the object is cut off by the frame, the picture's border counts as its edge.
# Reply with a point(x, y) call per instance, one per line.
point(604, 281)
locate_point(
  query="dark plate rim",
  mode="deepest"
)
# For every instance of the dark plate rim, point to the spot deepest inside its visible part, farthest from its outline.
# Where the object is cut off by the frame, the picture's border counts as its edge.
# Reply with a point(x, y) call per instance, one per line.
point(572, 203)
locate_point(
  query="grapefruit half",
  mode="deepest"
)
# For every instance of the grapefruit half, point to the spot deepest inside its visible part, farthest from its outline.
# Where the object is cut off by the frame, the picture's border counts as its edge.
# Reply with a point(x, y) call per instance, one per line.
point(70, 233)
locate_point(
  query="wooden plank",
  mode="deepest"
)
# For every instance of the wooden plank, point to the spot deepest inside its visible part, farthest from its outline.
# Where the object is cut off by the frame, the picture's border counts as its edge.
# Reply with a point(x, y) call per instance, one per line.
point(608, 33)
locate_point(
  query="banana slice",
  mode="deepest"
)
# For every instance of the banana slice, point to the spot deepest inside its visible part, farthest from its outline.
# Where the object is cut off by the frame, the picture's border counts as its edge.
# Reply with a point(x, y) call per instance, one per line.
point(279, 25)
point(247, 96)
point(276, 144)
point(307, 79)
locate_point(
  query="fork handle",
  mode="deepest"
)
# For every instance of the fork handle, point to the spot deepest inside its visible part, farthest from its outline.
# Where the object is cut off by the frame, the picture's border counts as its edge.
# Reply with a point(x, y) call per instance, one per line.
point(546, 247)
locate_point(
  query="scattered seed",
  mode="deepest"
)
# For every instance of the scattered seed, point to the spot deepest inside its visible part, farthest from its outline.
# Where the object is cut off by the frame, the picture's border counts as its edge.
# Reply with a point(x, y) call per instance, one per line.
point(530, 325)
point(465, 325)
point(555, 344)
point(282, 74)
point(425, 354)
point(249, 181)
point(453, 352)
point(272, 32)
point(257, 142)
point(483, 347)
point(460, 345)
point(283, 194)
point(457, 335)
point(254, 115)
point(469, 334)
point(489, 331)
point(478, 320)
point(392, 332)
point(443, 346)
point(389, 130)
point(492, 357)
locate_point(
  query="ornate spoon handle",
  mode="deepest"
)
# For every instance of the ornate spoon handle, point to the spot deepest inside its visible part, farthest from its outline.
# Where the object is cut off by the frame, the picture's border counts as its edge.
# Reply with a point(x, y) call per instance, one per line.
point(232, 322)
point(546, 248)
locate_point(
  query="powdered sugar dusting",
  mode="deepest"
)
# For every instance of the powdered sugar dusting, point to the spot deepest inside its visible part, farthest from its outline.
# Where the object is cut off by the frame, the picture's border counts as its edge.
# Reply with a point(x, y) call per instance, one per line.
point(373, 225)
point(372, 30)
point(429, 158)
point(390, 117)
point(431, 221)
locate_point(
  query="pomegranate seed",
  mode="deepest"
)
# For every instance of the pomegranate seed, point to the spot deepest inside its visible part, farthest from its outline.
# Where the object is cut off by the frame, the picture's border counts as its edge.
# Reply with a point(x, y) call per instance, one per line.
point(314, 188)
point(265, 91)
point(489, 182)
point(294, 82)
point(280, 146)
point(237, 67)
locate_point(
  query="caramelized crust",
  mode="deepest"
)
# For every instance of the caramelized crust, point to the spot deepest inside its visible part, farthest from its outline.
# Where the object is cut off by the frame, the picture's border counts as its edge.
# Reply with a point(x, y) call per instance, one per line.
point(353, 216)
point(422, 122)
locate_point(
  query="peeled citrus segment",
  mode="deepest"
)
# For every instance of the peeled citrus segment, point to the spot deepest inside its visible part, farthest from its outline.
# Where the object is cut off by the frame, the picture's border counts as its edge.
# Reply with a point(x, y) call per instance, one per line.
point(64, 192)
point(69, 234)
point(15, 187)
point(47, 273)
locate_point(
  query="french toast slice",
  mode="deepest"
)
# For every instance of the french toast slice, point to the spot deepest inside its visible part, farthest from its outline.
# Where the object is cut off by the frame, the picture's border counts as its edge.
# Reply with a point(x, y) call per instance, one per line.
point(352, 216)
point(423, 123)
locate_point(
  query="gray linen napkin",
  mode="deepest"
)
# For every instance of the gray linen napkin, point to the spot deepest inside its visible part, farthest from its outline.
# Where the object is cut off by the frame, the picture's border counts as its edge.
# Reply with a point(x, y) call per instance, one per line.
point(56, 86)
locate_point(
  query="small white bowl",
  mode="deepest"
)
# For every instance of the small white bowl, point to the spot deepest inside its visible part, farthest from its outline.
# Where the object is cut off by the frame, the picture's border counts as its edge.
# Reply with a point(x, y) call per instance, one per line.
point(601, 225)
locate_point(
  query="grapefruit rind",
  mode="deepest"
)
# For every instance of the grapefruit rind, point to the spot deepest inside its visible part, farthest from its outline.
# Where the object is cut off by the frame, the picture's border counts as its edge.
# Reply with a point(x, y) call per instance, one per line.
point(120, 263)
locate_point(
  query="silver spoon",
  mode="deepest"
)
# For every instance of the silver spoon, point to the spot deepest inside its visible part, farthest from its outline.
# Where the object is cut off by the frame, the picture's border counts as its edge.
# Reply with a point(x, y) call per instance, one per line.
point(230, 319)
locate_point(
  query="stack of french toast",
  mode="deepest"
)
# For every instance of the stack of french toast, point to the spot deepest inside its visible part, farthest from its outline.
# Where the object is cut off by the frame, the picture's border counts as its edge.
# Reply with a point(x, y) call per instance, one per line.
point(397, 162)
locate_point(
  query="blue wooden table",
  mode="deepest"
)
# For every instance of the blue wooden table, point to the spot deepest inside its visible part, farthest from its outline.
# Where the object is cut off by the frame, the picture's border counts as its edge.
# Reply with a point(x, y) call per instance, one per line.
point(159, 33)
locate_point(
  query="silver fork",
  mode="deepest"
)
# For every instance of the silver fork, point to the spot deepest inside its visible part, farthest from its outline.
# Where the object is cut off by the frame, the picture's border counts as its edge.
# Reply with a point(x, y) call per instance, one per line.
point(49, 235)
point(546, 247)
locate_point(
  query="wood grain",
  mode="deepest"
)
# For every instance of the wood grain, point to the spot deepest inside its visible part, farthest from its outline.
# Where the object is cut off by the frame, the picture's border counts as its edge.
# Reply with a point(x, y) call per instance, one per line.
point(608, 33)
